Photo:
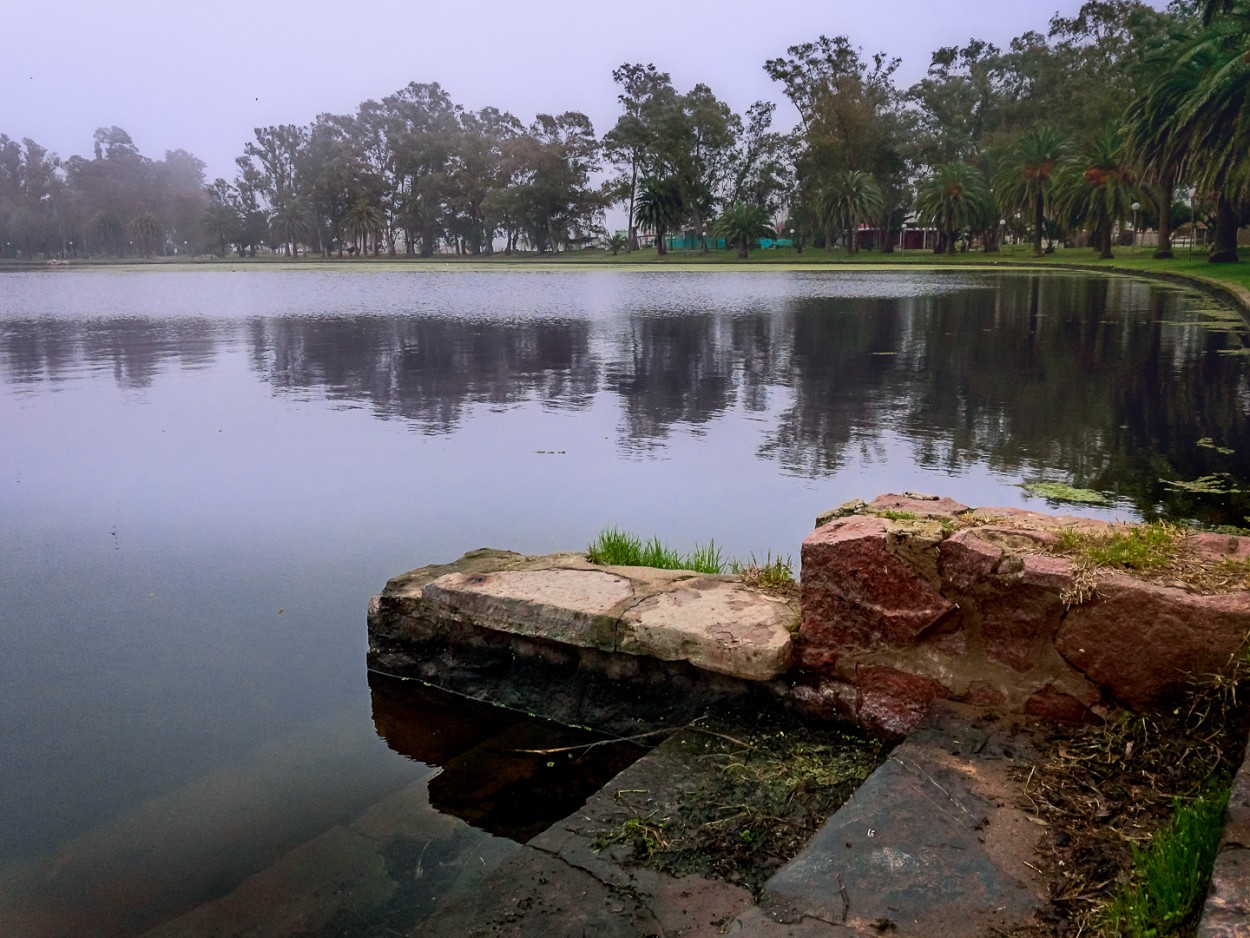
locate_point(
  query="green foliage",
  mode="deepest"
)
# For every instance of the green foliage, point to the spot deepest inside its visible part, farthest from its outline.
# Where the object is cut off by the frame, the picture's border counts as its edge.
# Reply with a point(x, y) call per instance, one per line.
point(955, 199)
point(1170, 875)
point(847, 200)
point(743, 225)
point(892, 514)
point(615, 547)
point(1029, 173)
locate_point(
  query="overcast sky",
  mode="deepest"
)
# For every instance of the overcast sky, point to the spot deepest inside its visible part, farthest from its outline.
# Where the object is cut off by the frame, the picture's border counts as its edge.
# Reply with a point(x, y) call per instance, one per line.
point(201, 76)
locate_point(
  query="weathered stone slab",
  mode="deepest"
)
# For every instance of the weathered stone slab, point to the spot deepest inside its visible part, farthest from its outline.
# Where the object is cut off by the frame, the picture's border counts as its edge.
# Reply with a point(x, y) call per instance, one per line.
point(910, 599)
point(932, 844)
point(1140, 640)
point(714, 623)
point(575, 607)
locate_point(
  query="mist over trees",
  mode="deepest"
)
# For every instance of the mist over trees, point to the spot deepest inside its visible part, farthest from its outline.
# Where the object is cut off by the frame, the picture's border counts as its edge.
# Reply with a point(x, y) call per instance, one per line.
point(1053, 139)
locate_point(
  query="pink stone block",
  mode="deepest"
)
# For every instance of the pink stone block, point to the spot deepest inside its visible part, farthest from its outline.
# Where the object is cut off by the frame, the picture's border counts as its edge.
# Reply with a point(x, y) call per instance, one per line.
point(964, 559)
point(855, 593)
point(893, 701)
point(1140, 640)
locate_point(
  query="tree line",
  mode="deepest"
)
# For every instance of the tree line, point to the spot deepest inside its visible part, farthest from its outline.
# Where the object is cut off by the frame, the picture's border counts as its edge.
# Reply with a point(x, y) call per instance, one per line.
point(1118, 114)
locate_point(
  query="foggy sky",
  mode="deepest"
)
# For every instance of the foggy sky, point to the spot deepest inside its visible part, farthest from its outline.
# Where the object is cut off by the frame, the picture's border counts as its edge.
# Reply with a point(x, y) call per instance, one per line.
point(201, 76)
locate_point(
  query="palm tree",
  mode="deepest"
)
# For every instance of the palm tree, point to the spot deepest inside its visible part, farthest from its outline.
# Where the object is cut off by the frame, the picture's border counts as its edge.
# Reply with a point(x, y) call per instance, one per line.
point(147, 230)
point(955, 198)
point(1027, 177)
point(851, 198)
point(743, 225)
point(108, 228)
point(1152, 143)
point(1210, 81)
point(1099, 192)
point(658, 208)
point(290, 225)
point(363, 221)
point(221, 224)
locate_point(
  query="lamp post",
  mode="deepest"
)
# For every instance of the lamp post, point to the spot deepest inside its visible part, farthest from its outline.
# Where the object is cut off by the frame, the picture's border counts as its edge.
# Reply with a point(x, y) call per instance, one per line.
point(902, 238)
point(1193, 232)
point(1002, 232)
point(1136, 209)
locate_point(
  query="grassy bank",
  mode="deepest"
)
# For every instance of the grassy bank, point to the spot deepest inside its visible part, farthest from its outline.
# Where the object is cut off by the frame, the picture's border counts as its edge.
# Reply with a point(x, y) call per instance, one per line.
point(1184, 266)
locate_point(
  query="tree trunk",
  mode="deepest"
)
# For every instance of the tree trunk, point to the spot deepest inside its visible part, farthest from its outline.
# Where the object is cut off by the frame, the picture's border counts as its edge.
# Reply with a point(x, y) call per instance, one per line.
point(950, 240)
point(631, 243)
point(1163, 249)
point(1224, 251)
point(1038, 220)
point(1104, 240)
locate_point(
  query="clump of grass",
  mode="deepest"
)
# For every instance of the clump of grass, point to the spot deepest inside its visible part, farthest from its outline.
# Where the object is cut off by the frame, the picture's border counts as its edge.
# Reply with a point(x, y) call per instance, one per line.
point(620, 548)
point(1144, 547)
point(1061, 492)
point(705, 558)
point(891, 514)
point(1169, 878)
point(775, 574)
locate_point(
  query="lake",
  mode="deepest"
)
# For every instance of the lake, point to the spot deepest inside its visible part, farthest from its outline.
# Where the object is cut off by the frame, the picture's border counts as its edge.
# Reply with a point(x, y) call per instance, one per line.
point(206, 474)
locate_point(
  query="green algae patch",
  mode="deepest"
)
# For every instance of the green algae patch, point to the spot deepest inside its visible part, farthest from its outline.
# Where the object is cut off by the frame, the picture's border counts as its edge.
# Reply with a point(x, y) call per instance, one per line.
point(763, 793)
point(1061, 492)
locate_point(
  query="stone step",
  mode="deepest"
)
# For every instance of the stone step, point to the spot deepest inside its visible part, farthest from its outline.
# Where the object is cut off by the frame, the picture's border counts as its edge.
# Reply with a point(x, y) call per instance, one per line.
point(715, 623)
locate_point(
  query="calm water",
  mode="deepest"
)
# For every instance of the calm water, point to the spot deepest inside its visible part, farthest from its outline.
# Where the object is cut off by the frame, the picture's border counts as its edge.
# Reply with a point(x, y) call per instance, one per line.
point(205, 475)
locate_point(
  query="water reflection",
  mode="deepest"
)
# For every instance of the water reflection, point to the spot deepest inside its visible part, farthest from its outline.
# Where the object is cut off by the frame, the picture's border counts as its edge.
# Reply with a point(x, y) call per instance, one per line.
point(1100, 381)
point(502, 772)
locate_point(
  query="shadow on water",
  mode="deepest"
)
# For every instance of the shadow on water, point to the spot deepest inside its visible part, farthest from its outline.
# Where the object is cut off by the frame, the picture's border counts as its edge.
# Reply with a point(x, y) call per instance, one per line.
point(503, 772)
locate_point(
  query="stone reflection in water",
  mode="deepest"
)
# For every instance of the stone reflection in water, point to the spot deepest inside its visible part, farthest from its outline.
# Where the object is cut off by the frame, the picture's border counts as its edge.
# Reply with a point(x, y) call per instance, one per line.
point(502, 772)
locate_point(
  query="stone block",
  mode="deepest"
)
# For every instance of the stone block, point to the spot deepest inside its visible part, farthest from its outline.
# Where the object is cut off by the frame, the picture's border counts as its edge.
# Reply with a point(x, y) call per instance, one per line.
point(1018, 624)
point(1054, 706)
point(893, 701)
point(1140, 640)
point(856, 593)
point(966, 559)
point(716, 625)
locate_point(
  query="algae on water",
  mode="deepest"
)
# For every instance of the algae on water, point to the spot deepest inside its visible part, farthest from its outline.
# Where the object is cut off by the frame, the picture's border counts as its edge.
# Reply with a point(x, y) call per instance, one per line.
point(1061, 492)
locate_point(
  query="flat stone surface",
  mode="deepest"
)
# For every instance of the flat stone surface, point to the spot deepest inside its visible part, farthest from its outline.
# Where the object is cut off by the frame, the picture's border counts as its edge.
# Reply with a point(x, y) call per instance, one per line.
point(567, 606)
point(717, 626)
point(932, 844)
point(714, 623)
